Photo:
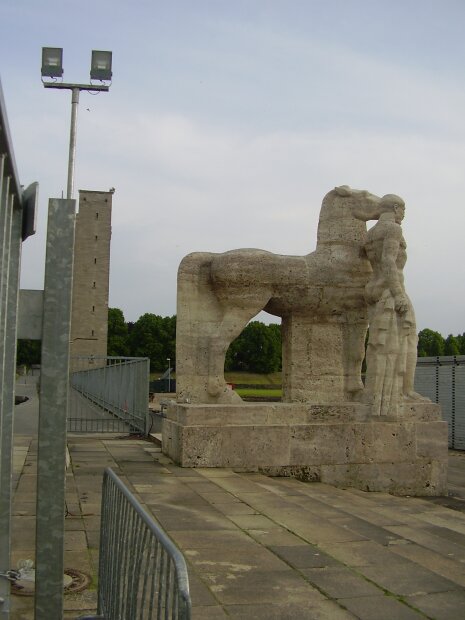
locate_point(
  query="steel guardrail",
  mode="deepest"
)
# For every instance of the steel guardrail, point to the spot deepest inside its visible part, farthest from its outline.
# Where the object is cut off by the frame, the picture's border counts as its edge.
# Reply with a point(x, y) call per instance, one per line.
point(142, 574)
point(109, 394)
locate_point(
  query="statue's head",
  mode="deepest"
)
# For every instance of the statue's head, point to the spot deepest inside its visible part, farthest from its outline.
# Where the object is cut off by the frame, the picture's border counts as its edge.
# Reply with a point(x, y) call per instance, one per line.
point(390, 203)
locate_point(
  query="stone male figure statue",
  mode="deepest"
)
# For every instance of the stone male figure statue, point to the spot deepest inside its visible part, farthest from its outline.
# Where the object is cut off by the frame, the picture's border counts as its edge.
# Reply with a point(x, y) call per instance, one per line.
point(392, 345)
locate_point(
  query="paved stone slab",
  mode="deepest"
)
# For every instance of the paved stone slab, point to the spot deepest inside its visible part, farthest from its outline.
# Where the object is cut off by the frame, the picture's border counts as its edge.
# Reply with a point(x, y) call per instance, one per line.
point(256, 587)
point(429, 540)
point(253, 522)
point(209, 613)
point(365, 528)
point(236, 485)
point(340, 582)
point(407, 578)
point(79, 559)
point(234, 509)
point(75, 539)
point(446, 567)
point(219, 497)
point(173, 496)
point(200, 594)
point(359, 553)
point(448, 534)
point(233, 559)
point(74, 523)
point(213, 539)
point(304, 556)
point(325, 610)
point(380, 608)
point(216, 472)
point(441, 605)
point(276, 536)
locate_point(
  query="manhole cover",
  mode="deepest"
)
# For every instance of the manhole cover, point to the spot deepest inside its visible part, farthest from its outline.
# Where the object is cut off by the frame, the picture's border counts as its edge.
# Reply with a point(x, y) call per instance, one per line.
point(73, 581)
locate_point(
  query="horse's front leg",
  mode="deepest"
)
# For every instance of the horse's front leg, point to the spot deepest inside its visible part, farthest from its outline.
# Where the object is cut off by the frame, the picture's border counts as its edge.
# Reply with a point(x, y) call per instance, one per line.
point(234, 321)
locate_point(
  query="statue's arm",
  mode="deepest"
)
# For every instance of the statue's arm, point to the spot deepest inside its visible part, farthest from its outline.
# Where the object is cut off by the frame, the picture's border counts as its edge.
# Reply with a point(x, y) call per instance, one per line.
point(392, 277)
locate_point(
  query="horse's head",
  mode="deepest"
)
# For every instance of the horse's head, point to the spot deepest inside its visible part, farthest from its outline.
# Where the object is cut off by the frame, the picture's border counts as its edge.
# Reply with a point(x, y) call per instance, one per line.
point(366, 206)
point(345, 210)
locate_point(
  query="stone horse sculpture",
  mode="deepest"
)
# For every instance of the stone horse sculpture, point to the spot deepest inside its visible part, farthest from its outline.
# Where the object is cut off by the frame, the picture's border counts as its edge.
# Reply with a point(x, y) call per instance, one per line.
point(320, 298)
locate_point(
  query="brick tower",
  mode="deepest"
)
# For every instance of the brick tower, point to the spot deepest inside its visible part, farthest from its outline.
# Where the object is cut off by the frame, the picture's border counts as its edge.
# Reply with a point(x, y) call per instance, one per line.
point(89, 315)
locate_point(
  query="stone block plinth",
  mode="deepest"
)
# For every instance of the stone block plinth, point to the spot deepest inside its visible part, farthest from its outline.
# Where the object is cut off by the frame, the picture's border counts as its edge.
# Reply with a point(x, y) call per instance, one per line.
point(339, 444)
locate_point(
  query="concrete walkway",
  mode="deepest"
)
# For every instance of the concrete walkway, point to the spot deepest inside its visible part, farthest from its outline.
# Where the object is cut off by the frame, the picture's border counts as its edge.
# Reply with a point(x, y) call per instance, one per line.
point(265, 548)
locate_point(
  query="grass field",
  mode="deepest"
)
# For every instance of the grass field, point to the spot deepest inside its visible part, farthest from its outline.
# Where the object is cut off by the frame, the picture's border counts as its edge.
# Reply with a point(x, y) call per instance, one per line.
point(255, 393)
point(253, 378)
point(249, 378)
point(238, 377)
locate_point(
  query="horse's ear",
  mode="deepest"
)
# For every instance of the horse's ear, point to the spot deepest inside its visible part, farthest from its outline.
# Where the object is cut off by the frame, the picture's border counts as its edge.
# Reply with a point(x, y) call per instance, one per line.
point(343, 190)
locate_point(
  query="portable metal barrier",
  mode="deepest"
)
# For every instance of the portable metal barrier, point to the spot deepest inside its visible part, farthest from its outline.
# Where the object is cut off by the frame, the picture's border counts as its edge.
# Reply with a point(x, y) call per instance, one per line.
point(109, 394)
point(142, 575)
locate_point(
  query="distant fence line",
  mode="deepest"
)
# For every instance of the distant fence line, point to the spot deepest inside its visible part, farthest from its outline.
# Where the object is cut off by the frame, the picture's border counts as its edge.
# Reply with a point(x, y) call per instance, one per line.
point(162, 386)
point(442, 379)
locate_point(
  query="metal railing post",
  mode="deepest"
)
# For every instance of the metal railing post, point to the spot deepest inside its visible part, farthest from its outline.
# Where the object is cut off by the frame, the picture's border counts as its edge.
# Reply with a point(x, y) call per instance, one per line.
point(53, 409)
point(9, 307)
point(146, 387)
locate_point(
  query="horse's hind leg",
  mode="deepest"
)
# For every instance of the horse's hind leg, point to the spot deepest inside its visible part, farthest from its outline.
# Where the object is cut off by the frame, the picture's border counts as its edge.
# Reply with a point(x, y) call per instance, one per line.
point(198, 314)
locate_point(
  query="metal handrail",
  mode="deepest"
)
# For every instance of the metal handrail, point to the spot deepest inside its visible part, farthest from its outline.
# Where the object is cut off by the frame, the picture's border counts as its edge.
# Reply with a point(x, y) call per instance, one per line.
point(142, 574)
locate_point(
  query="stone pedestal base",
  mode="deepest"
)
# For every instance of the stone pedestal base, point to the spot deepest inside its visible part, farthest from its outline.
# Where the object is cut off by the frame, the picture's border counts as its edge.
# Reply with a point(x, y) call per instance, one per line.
point(336, 444)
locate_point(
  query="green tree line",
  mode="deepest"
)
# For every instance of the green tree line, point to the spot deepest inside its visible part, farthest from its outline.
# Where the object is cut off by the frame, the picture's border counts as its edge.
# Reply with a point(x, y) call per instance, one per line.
point(431, 343)
point(257, 349)
point(150, 336)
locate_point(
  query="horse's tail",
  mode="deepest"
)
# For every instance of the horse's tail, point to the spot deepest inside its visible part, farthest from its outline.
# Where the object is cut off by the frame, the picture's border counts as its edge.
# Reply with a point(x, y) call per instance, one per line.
point(197, 310)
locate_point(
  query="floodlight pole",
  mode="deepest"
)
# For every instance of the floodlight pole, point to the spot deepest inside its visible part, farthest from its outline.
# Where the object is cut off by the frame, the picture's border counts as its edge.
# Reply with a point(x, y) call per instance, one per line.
point(75, 90)
point(72, 142)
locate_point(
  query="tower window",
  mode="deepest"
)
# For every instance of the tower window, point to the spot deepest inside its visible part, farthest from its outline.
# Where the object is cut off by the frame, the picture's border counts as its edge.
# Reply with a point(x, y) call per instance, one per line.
point(93, 284)
point(96, 215)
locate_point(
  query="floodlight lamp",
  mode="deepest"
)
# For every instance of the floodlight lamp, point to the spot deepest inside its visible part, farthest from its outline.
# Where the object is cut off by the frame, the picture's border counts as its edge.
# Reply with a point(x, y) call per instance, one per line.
point(52, 62)
point(100, 68)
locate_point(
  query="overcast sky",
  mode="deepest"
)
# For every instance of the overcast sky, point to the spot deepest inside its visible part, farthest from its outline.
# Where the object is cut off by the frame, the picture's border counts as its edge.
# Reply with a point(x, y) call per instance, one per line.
point(229, 120)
